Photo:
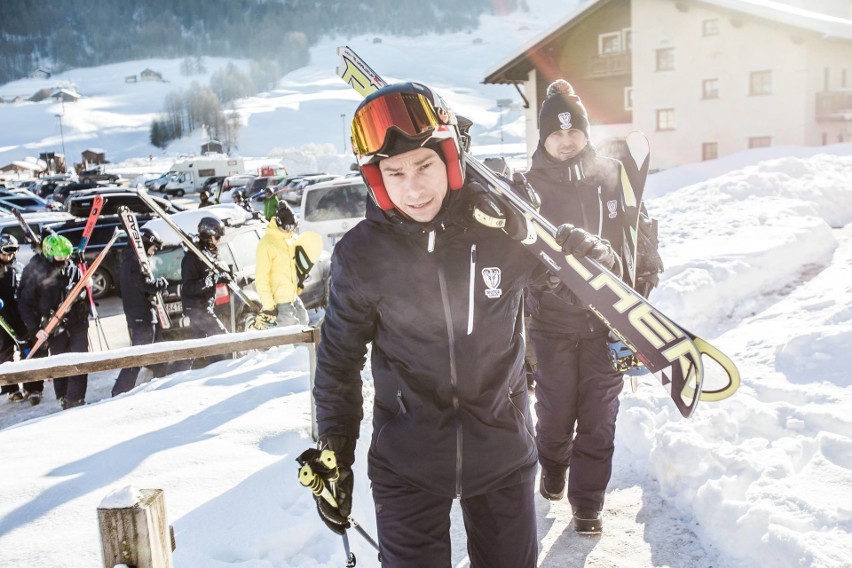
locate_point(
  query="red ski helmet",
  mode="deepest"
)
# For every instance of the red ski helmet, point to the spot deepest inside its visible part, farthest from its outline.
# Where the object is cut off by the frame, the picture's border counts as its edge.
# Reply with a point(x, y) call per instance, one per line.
point(399, 118)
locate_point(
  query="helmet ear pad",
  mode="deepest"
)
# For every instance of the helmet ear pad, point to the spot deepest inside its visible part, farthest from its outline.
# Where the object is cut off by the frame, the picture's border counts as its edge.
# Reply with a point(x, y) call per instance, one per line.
point(455, 174)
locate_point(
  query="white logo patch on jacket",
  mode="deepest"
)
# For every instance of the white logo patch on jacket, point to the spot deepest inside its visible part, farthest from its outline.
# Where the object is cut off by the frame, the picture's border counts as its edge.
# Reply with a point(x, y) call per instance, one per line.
point(492, 277)
point(612, 206)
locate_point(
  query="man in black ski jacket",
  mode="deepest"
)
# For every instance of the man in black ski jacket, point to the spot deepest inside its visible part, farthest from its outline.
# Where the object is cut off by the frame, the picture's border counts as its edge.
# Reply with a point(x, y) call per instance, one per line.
point(198, 287)
point(439, 297)
point(136, 292)
point(45, 283)
point(577, 387)
point(10, 272)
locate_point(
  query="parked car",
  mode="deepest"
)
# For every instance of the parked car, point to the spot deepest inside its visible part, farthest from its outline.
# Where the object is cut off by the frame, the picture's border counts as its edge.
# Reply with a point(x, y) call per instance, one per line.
point(158, 183)
point(293, 192)
point(333, 207)
point(24, 203)
point(61, 193)
point(97, 174)
point(237, 250)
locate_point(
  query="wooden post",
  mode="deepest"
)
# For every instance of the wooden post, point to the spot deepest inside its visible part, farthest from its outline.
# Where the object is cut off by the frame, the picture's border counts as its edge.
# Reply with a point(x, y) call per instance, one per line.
point(137, 535)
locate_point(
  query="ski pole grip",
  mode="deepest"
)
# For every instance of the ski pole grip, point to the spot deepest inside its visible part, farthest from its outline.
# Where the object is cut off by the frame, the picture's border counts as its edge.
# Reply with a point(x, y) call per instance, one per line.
point(312, 481)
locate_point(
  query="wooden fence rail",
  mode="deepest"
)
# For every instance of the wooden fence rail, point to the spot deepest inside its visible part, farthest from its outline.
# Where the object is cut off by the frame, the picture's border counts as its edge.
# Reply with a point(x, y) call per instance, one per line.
point(69, 364)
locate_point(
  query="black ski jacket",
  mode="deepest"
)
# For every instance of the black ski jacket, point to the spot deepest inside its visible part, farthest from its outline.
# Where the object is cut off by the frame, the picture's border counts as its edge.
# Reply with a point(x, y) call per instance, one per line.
point(9, 278)
point(442, 305)
point(198, 282)
point(136, 290)
point(44, 285)
point(586, 192)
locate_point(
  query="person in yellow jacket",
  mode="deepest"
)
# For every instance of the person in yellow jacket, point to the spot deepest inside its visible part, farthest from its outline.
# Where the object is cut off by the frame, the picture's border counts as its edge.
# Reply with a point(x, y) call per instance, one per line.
point(276, 279)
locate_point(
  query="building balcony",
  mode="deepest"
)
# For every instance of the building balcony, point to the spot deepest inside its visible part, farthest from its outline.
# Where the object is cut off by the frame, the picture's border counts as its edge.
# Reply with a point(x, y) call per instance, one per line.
point(834, 105)
point(609, 65)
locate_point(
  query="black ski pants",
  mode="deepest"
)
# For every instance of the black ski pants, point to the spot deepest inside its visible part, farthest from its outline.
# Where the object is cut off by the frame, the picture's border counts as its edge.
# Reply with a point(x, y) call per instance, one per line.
point(7, 353)
point(576, 407)
point(141, 333)
point(414, 526)
point(75, 339)
point(203, 322)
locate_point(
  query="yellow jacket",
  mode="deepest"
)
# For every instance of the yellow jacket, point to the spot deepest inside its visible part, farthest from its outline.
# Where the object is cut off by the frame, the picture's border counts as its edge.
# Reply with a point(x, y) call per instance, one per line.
point(275, 267)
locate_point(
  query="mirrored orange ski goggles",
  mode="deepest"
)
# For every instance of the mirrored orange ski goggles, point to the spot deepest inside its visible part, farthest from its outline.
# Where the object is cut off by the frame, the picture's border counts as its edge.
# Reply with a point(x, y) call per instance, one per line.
point(411, 113)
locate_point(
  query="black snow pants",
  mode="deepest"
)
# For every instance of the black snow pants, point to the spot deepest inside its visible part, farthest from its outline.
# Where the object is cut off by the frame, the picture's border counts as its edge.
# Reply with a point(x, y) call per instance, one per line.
point(414, 526)
point(75, 339)
point(576, 407)
point(141, 333)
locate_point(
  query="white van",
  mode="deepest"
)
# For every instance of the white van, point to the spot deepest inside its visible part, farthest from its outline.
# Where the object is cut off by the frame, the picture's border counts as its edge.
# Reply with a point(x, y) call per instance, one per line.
point(333, 207)
point(188, 175)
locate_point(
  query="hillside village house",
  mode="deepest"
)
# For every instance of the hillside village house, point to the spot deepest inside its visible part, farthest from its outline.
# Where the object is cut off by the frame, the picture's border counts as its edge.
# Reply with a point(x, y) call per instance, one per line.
point(702, 78)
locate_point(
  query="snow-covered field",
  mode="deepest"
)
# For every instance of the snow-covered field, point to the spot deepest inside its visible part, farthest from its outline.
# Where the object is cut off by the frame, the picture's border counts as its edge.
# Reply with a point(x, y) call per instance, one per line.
point(758, 252)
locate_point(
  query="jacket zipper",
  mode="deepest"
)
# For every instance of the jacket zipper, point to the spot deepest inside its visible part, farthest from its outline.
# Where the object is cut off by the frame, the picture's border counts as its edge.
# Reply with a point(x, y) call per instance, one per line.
point(445, 299)
point(470, 294)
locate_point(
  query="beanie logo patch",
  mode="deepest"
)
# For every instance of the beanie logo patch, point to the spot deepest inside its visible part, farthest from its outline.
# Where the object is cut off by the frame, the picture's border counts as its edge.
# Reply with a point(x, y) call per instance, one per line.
point(565, 120)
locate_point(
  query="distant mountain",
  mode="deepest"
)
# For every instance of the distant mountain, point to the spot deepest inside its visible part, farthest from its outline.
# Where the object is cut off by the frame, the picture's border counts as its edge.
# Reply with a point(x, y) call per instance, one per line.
point(79, 33)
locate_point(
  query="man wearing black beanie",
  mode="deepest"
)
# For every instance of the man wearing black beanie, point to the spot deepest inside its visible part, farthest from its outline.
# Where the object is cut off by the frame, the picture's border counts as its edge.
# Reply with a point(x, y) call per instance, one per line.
point(577, 387)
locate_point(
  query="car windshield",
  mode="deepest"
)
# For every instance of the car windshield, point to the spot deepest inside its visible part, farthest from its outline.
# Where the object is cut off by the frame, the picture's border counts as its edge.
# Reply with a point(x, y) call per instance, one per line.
point(346, 201)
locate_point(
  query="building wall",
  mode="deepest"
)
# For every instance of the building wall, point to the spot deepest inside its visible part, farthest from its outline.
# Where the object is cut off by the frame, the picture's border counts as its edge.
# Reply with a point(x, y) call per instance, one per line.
point(742, 45)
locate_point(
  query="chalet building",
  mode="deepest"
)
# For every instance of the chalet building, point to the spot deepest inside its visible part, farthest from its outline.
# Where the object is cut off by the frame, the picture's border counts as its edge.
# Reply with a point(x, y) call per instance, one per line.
point(211, 147)
point(64, 95)
point(41, 95)
point(94, 156)
point(40, 73)
point(148, 74)
point(702, 78)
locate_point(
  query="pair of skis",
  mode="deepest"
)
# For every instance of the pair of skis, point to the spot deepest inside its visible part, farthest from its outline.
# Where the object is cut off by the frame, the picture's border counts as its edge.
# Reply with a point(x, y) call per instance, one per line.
point(217, 268)
point(134, 236)
point(94, 214)
point(667, 349)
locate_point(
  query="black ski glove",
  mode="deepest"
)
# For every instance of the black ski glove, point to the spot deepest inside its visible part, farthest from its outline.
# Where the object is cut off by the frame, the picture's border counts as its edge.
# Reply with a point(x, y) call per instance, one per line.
point(580, 242)
point(327, 472)
point(490, 210)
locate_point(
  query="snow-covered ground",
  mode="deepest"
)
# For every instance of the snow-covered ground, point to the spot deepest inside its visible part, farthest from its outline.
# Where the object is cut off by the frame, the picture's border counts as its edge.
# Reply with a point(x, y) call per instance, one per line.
point(758, 252)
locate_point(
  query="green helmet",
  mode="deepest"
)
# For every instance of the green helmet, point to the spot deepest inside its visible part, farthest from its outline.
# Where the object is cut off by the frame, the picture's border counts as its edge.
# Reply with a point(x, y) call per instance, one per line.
point(56, 246)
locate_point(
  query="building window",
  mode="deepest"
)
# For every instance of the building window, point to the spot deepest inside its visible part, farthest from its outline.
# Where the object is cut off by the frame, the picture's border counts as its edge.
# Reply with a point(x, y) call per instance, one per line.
point(665, 59)
point(843, 78)
point(609, 43)
point(665, 119)
point(709, 151)
point(760, 141)
point(627, 42)
point(710, 27)
point(710, 89)
point(628, 98)
point(760, 83)
point(826, 79)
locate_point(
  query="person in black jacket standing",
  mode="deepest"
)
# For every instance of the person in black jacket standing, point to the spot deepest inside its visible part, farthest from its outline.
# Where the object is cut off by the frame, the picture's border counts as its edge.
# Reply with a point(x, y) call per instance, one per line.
point(45, 282)
point(577, 387)
point(198, 288)
point(10, 272)
point(439, 296)
point(136, 292)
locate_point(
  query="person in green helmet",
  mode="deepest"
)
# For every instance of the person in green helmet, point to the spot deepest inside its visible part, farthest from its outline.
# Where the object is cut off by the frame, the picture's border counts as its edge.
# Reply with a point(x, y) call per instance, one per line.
point(45, 283)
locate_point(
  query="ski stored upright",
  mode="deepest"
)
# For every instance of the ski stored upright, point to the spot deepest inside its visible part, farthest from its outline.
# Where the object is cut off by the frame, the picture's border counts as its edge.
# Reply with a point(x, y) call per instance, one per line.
point(43, 334)
point(28, 231)
point(187, 240)
point(131, 225)
point(665, 348)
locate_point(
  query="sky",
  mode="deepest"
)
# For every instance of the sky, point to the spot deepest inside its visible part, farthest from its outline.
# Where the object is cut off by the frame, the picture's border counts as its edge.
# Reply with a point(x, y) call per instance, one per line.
point(758, 253)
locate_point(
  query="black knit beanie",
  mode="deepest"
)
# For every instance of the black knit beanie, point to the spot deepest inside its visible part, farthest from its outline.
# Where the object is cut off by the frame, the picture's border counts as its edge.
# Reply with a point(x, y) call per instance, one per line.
point(561, 110)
